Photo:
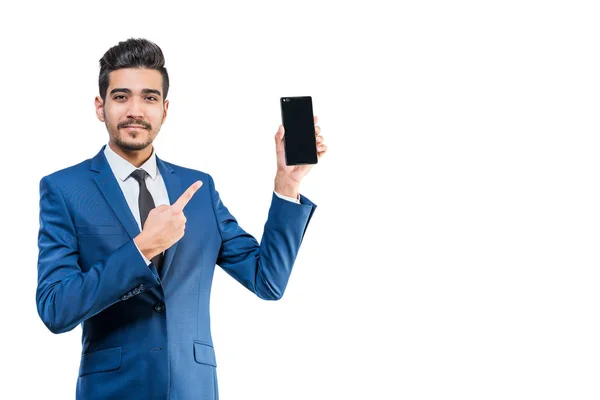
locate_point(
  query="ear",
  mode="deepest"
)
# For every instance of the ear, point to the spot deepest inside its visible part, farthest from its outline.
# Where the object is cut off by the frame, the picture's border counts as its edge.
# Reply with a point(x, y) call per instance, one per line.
point(99, 104)
point(165, 111)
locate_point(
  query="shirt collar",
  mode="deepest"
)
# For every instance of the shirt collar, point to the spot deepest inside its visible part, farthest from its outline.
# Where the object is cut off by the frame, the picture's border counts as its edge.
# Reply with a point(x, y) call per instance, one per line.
point(123, 168)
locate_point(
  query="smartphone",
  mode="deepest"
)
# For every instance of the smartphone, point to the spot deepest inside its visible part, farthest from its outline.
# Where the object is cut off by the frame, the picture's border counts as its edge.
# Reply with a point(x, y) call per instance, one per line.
point(299, 140)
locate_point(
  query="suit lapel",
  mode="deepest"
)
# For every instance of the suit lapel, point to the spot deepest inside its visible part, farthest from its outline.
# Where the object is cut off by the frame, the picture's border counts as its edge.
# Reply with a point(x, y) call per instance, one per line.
point(108, 185)
point(173, 184)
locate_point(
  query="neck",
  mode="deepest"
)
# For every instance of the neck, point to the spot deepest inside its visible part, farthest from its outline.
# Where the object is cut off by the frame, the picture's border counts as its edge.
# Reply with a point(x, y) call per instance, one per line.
point(135, 157)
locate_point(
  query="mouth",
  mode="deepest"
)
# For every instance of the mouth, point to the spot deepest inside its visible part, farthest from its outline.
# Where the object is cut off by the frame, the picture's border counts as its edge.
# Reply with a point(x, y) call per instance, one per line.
point(131, 127)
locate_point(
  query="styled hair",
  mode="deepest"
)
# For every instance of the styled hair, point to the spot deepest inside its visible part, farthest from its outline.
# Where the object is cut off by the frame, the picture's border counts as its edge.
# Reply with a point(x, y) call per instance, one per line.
point(132, 53)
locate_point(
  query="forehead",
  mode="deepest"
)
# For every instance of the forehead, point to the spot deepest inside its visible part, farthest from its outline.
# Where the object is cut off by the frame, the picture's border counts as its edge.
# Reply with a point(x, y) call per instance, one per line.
point(135, 79)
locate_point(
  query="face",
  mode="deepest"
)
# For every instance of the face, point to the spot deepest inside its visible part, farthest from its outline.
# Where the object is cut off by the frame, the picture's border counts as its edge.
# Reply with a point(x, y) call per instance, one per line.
point(134, 109)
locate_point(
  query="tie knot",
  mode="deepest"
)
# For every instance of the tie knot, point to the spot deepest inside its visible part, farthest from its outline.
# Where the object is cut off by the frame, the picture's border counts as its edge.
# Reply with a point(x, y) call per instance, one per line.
point(139, 175)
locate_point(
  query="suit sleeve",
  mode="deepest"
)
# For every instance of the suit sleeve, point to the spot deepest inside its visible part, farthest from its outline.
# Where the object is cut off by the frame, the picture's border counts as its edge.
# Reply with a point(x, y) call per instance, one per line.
point(264, 269)
point(66, 295)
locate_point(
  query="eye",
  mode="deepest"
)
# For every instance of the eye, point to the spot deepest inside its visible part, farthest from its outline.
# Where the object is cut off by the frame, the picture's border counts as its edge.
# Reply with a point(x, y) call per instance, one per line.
point(152, 98)
point(119, 97)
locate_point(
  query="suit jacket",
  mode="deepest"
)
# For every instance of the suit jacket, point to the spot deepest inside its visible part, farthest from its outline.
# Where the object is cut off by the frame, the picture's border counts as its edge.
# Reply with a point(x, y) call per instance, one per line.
point(147, 335)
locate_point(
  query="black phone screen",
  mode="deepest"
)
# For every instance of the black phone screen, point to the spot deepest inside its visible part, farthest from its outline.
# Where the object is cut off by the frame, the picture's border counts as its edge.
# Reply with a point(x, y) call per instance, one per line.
point(299, 140)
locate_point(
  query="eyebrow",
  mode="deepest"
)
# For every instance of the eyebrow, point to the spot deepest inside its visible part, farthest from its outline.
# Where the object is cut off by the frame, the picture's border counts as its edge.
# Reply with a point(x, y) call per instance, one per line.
point(128, 91)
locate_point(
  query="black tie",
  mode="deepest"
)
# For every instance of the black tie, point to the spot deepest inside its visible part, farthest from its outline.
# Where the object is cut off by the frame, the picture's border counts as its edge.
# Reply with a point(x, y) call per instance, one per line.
point(146, 204)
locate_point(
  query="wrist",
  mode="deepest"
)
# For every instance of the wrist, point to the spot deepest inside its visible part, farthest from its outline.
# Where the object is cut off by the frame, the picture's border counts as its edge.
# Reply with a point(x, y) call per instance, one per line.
point(286, 186)
point(146, 246)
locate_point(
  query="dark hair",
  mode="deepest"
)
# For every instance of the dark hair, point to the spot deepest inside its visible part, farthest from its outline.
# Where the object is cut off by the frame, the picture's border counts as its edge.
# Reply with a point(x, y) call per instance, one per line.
point(132, 53)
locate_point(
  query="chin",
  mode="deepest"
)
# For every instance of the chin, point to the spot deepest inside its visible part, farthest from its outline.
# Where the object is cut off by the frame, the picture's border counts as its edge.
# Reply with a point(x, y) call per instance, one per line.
point(133, 145)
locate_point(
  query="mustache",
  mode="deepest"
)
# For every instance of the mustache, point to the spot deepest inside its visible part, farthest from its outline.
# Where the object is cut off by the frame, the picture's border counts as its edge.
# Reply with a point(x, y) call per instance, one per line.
point(132, 121)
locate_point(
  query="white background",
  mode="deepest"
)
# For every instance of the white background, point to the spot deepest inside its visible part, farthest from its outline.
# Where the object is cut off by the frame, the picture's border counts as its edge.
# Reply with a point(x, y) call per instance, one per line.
point(454, 251)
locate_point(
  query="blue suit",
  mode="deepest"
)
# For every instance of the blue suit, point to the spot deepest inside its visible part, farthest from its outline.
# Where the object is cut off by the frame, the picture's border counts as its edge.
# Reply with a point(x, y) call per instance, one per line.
point(147, 335)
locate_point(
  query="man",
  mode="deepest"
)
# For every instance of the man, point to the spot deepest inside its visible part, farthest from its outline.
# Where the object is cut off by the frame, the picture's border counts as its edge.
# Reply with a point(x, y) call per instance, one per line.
point(118, 254)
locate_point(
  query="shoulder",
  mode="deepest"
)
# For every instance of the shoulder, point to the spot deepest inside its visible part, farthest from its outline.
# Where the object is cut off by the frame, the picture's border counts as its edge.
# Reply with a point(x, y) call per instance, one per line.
point(71, 175)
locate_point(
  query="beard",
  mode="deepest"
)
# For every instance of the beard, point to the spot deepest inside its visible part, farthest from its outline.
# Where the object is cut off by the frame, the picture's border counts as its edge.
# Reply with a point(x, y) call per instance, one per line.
point(123, 143)
point(131, 141)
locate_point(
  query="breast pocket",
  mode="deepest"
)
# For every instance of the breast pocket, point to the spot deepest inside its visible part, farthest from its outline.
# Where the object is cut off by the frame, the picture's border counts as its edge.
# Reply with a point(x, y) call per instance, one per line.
point(85, 230)
point(96, 242)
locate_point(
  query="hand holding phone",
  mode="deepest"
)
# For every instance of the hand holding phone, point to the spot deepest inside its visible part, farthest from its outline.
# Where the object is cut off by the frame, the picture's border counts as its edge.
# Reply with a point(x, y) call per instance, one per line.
point(299, 141)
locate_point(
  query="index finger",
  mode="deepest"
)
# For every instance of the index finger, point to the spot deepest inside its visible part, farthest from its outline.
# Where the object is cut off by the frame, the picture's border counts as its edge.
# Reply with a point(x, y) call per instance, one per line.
point(186, 196)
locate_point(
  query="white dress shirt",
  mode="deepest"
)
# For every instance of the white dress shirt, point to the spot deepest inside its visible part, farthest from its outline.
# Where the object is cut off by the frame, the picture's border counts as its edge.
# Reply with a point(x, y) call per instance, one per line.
point(122, 169)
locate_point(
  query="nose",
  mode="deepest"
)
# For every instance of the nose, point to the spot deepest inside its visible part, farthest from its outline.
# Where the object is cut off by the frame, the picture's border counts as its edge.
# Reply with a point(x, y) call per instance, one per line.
point(135, 110)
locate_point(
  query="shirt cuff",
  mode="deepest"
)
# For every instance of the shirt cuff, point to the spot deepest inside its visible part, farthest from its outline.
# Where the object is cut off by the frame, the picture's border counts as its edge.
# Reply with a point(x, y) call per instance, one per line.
point(293, 200)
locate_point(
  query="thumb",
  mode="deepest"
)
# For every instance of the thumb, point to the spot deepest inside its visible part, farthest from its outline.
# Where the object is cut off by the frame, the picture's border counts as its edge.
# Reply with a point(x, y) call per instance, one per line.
point(279, 138)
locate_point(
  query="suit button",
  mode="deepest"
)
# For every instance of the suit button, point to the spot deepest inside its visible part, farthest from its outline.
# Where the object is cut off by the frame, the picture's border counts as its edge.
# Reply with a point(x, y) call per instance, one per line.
point(159, 307)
